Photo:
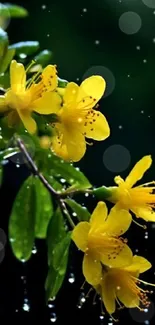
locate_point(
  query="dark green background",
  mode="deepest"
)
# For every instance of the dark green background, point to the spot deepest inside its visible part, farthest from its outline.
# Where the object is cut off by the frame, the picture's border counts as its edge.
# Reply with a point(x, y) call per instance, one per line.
point(72, 35)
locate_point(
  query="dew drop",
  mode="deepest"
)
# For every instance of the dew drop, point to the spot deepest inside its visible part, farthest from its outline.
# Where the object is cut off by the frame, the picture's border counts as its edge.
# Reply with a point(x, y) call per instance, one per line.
point(50, 305)
point(53, 317)
point(101, 317)
point(86, 194)
point(71, 278)
point(22, 56)
point(62, 180)
point(74, 214)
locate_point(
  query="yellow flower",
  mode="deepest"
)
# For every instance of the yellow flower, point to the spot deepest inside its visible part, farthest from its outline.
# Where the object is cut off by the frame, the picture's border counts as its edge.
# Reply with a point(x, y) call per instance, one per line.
point(78, 119)
point(121, 284)
point(22, 98)
point(99, 240)
point(139, 199)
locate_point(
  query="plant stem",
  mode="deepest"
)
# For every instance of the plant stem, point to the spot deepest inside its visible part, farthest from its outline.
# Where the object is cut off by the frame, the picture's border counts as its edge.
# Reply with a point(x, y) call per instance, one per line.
point(34, 167)
point(36, 172)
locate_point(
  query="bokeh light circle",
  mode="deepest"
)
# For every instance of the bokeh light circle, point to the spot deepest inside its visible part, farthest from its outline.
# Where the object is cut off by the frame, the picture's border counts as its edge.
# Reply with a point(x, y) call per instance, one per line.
point(149, 3)
point(142, 316)
point(130, 22)
point(116, 158)
point(4, 21)
point(105, 73)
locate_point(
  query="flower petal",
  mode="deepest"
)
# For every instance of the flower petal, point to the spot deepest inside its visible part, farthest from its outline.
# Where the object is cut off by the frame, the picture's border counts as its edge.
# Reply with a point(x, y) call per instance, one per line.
point(118, 222)
point(139, 264)
point(108, 294)
point(49, 78)
point(138, 170)
point(92, 270)
point(117, 258)
point(28, 121)
point(96, 126)
point(17, 76)
point(69, 144)
point(90, 92)
point(49, 103)
point(145, 213)
point(98, 216)
point(127, 297)
point(80, 235)
point(70, 95)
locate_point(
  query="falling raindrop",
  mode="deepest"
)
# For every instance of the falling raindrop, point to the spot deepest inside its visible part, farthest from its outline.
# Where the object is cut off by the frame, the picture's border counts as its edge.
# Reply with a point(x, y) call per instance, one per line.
point(131, 98)
point(34, 250)
point(50, 305)
point(84, 9)
point(142, 112)
point(147, 322)
point(86, 194)
point(144, 61)
point(138, 47)
point(48, 35)
point(26, 305)
point(71, 278)
point(43, 7)
point(17, 165)
point(128, 75)
point(146, 235)
point(101, 317)
point(74, 214)
point(120, 127)
point(53, 317)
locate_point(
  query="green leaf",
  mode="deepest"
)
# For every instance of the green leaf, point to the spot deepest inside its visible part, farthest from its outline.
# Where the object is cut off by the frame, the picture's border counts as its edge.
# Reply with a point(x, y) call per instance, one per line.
point(6, 60)
point(44, 209)
point(53, 283)
point(60, 254)
point(61, 169)
point(55, 233)
point(8, 10)
point(43, 57)
point(3, 42)
point(82, 213)
point(28, 47)
point(62, 82)
point(22, 221)
point(5, 80)
point(1, 175)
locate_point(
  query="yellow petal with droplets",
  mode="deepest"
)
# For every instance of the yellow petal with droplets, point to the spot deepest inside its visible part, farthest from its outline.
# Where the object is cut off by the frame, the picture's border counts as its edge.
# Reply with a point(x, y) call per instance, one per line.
point(49, 103)
point(145, 213)
point(69, 144)
point(139, 264)
point(28, 121)
point(117, 257)
point(98, 216)
point(127, 297)
point(80, 235)
point(96, 126)
point(118, 222)
point(138, 170)
point(49, 78)
point(92, 269)
point(90, 92)
point(108, 294)
point(17, 77)
point(70, 95)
